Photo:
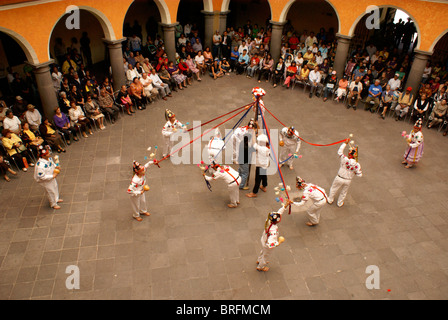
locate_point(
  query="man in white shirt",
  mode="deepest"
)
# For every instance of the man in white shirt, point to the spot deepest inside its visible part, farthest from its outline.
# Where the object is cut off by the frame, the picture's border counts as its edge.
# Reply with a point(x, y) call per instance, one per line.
point(162, 87)
point(243, 47)
point(355, 89)
point(12, 123)
point(33, 117)
point(310, 40)
point(148, 90)
point(314, 79)
point(132, 73)
point(394, 82)
point(263, 153)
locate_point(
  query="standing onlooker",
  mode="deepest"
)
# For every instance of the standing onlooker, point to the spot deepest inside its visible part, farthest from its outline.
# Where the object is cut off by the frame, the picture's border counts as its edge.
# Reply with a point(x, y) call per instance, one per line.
point(263, 153)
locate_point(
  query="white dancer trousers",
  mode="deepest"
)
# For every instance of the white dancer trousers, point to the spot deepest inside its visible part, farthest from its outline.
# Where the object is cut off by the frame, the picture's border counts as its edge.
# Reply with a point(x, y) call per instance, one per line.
point(138, 205)
point(342, 185)
point(314, 211)
point(234, 192)
point(51, 188)
point(263, 258)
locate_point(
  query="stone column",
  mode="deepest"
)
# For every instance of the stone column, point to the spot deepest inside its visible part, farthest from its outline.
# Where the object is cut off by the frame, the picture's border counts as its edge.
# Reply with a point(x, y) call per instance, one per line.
point(116, 62)
point(418, 66)
point(208, 29)
point(45, 87)
point(276, 39)
point(340, 59)
point(223, 21)
point(169, 40)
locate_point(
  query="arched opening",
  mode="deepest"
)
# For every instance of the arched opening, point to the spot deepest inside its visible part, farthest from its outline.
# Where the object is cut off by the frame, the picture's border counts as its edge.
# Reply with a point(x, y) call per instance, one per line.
point(395, 29)
point(439, 59)
point(256, 13)
point(16, 77)
point(190, 12)
point(312, 16)
point(85, 41)
point(143, 20)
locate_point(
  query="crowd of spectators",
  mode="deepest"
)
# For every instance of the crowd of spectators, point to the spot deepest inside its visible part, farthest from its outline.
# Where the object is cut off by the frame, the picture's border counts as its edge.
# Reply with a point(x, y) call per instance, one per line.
point(374, 76)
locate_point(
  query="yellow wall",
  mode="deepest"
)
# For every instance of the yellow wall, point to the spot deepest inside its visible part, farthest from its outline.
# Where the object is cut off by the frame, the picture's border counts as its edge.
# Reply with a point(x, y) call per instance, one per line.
point(32, 25)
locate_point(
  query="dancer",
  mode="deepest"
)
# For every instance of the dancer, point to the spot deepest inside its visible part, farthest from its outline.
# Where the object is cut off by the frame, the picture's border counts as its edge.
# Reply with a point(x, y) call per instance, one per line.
point(231, 177)
point(137, 190)
point(263, 153)
point(171, 126)
point(317, 195)
point(45, 174)
point(349, 167)
point(237, 138)
point(415, 140)
point(290, 143)
point(270, 238)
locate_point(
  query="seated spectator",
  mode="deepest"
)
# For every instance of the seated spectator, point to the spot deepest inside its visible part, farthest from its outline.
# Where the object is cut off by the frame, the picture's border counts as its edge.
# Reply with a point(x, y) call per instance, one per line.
point(147, 66)
point(193, 68)
point(278, 71)
point(197, 46)
point(163, 61)
point(139, 58)
point(216, 70)
point(30, 139)
point(177, 75)
point(375, 92)
point(62, 123)
point(166, 77)
point(3, 109)
point(137, 95)
point(208, 57)
point(5, 168)
point(266, 68)
point(315, 80)
point(421, 105)
point(342, 88)
point(12, 122)
point(303, 75)
point(225, 66)
point(19, 107)
point(185, 70)
point(78, 119)
point(404, 103)
point(243, 62)
point(394, 82)
point(132, 74)
point(291, 72)
point(33, 117)
point(124, 98)
point(438, 114)
point(163, 88)
point(76, 95)
point(93, 112)
point(107, 105)
point(149, 92)
point(330, 84)
point(16, 149)
point(139, 68)
point(355, 90)
point(307, 57)
point(200, 62)
point(386, 98)
point(253, 66)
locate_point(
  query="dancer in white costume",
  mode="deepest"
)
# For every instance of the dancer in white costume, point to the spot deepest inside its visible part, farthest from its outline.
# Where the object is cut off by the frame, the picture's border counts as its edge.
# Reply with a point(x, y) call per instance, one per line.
point(45, 174)
point(231, 178)
point(270, 239)
point(137, 190)
point(349, 167)
point(171, 126)
point(290, 143)
point(315, 194)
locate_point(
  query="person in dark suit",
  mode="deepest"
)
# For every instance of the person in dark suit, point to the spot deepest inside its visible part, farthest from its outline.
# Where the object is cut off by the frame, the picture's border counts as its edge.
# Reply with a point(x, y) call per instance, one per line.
point(226, 45)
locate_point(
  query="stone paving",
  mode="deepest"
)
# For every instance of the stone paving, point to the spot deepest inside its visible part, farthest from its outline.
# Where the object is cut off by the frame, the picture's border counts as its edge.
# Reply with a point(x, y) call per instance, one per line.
point(193, 247)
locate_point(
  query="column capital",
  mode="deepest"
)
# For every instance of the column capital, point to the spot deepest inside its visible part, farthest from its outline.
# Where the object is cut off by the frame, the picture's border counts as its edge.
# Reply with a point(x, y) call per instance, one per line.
point(277, 23)
point(168, 25)
point(224, 13)
point(343, 36)
point(116, 41)
point(426, 54)
point(41, 67)
point(211, 13)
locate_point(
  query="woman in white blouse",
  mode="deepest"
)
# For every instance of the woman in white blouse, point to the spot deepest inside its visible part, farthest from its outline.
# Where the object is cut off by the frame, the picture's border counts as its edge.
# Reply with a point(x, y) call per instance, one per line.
point(78, 119)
